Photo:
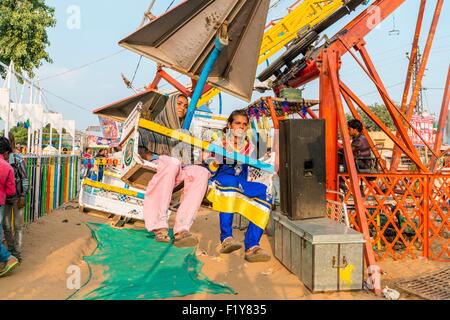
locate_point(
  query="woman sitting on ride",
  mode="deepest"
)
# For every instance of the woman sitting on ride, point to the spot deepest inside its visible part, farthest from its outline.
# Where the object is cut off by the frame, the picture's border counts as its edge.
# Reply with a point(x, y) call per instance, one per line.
point(232, 193)
point(170, 173)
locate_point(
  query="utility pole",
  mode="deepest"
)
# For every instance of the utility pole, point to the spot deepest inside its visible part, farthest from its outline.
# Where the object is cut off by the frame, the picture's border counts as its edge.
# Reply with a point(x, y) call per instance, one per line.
point(420, 108)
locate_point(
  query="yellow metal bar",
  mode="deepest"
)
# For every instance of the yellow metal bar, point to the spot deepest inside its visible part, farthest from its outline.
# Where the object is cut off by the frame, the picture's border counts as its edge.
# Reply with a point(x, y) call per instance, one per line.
point(203, 145)
point(108, 187)
point(111, 174)
point(306, 15)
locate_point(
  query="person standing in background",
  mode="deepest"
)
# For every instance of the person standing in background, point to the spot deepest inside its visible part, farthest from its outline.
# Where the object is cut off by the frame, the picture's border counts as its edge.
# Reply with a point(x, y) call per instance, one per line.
point(7, 188)
point(15, 205)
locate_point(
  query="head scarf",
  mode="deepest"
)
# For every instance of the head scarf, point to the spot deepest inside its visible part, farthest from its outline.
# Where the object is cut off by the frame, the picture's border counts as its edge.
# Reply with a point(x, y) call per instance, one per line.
point(168, 117)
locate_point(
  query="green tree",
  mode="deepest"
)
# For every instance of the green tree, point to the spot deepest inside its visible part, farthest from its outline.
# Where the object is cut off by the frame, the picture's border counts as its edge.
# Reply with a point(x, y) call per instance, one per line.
point(23, 34)
point(20, 134)
point(381, 112)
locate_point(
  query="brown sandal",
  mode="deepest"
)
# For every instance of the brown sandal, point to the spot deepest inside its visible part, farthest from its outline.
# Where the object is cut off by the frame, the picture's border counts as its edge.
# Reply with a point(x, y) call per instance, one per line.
point(162, 235)
point(257, 254)
point(185, 239)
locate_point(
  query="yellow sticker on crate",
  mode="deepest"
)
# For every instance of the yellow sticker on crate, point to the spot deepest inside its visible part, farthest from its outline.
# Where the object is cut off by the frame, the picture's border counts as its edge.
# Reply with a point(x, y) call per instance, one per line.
point(345, 274)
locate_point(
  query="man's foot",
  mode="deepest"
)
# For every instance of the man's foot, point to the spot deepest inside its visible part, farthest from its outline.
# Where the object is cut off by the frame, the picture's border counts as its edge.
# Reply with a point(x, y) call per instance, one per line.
point(230, 245)
point(257, 254)
point(185, 239)
point(11, 264)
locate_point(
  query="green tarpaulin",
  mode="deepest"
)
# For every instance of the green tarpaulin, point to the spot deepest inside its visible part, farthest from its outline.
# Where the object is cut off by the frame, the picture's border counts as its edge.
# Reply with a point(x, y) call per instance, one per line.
point(135, 267)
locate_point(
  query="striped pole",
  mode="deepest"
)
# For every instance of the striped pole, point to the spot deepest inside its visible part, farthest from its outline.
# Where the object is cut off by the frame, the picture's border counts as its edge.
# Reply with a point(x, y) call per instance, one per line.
point(37, 189)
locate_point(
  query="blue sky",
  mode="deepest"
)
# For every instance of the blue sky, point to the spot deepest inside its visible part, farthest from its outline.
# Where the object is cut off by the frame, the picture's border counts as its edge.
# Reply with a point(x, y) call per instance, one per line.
point(104, 23)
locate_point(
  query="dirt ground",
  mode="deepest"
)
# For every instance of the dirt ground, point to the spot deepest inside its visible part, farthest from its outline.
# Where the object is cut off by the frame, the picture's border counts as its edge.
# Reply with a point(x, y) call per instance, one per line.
point(61, 239)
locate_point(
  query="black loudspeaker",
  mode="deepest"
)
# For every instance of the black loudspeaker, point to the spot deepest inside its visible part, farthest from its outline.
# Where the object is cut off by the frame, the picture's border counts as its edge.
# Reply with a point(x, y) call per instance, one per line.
point(302, 169)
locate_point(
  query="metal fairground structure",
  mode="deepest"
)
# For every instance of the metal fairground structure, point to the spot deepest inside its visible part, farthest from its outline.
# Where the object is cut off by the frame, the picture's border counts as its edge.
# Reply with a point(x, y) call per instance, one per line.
point(401, 214)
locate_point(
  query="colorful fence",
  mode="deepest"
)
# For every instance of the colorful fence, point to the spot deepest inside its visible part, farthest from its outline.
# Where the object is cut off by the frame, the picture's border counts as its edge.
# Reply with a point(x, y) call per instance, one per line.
point(54, 180)
point(408, 215)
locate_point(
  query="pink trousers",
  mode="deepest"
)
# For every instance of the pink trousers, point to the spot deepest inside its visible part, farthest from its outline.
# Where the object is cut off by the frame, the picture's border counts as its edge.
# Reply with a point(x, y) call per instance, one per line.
point(159, 194)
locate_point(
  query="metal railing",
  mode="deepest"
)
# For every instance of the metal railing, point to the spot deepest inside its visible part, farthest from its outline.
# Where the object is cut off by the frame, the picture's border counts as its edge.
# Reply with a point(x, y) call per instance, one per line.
point(54, 181)
point(408, 214)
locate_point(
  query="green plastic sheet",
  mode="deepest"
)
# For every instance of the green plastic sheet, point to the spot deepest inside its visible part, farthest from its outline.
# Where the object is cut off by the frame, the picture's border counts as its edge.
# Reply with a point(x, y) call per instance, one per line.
point(137, 267)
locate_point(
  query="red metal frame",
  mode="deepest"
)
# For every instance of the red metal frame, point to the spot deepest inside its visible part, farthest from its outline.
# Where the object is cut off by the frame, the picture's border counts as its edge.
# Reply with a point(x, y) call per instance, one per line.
point(365, 132)
point(442, 122)
point(413, 56)
point(332, 63)
point(423, 65)
point(346, 91)
point(161, 74)
point(273, 113)
point(312, 114)
point(388, 101)
point(324, 63)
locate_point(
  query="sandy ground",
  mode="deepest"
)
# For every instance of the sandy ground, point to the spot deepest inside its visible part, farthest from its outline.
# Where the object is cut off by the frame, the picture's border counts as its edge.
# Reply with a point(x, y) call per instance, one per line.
point(61, 239)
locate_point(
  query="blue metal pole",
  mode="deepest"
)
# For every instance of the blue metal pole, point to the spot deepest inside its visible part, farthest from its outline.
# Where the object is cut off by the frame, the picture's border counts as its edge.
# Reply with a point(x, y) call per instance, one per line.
point(220, 103)
point(219, 45)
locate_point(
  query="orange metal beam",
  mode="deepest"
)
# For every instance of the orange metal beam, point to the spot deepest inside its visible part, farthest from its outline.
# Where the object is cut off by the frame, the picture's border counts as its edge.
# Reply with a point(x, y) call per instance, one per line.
point(383, 127)
point(350, 35)
point(442, 121)
point(393, 110)
point(161, 74)
point(328, 112)
point(273, 113)
point(413, 54)
point(422, 68)
point(426, 55)
point(373, 75)
point(365, 132)
point(312, 114)
point(332, 62)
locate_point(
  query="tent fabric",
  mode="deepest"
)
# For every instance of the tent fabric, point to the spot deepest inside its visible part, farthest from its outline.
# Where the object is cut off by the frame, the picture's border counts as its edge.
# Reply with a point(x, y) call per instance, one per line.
point(69, 125)
point(55, 120)
point(4, 102)
point(21, 112)
point(136, 267)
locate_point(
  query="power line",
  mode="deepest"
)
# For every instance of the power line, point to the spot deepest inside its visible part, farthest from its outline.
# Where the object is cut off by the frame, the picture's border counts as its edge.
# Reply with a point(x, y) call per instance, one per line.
point(65, 100)
point(39, 88)
point(140, 59)
point(135, 71)
point(388, 87)
point(170, 6)
point(83, 66)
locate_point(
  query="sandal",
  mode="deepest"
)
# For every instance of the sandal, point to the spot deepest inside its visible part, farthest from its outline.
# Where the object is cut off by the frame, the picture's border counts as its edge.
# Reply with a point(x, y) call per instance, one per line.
point(257, 254)
point(229, 245)
point(162, 235)
point(9, 268)
point(185, 239)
